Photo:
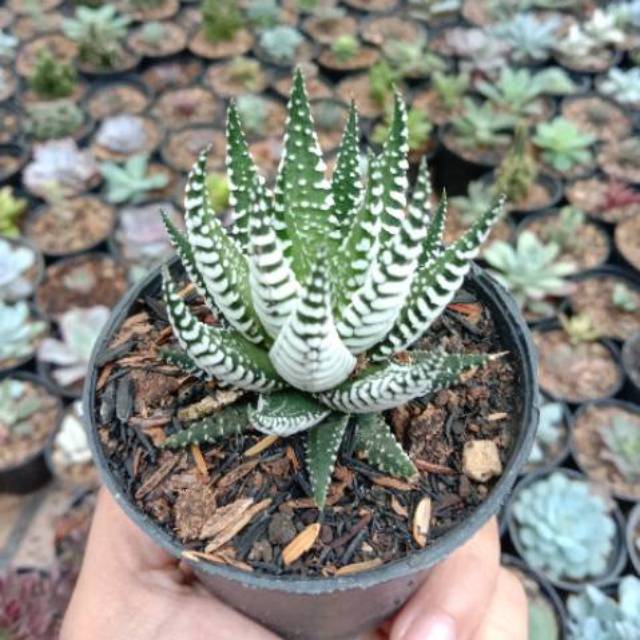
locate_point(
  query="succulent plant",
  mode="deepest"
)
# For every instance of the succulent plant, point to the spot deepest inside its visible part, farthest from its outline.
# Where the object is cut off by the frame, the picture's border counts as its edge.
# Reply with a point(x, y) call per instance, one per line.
point(281, 43)
point(622, 85)
point(623, 298)
point(245, 71)
point(621, 439)
point(382, 80)
point(26, 609)
point(564, 228)
point(19, 334)
point(555, 81)
point(515, 91)
point(603, 28)
point(53, 120)
point(263, 13)
point(579, 328)
point(123, 133)
point(471, 206)
point(530, 270)
point(221, 19)
point(99, 34)
point(550, 431)
point(60, 163)
point(518, 170)
point(8, 44)
point(627, 14)
point(479, 126)
point(412, 59)
point(328, 114)
point(131, 181)
point(16, 408)
point(596, 616)
point(345, 47)
point(52, 78)
point(562, 144)
point(576, 44)
point(15, 262)
point(11, 209)
point(253, 111)
point(450, 87)
point(419, 129)
point(564, 528)
point(530, 38)
point(153, 33)
point(79, 329)
point(321, 284)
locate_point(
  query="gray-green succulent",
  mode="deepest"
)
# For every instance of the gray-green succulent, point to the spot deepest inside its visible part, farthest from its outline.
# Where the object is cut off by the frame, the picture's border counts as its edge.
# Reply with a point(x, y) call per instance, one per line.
point(51, 120)
point(15, 409)
point(622, 85)
point(19, 333)
point(281, 43)
point(564, 528)
point(530, 38)
point(479, 126)
point(131, 181)
point(324, 285)
point(563, 146)
point(623, 298)
point(621, 438)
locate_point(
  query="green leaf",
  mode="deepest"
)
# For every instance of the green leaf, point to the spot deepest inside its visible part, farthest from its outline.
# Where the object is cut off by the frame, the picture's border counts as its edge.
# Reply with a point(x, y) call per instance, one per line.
point(230, 421)
point(181, 359)
point(346, 184)
point(389, 385)
point(435, 285)
point(284, 413)
point(219, 259)
point(222, 353)
point(375, 439)
point(308, 352)
point(302, 195)
point(323, 443)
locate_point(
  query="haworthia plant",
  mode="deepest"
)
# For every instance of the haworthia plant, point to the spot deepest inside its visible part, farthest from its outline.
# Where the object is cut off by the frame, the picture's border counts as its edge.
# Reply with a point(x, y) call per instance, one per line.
point(322, 288)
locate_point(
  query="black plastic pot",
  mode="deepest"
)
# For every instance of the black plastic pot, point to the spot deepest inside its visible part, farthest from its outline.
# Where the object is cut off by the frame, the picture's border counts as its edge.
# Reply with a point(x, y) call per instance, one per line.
point(15, 150)
point(627, 406)
point(33, 472)
point(633, 531)
point(618, 558)
point(631, 366)
point(546, 588)
point(338, 607)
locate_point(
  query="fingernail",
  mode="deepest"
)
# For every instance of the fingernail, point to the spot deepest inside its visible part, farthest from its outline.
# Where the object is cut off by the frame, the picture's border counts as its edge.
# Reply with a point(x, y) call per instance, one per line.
point(437, 626)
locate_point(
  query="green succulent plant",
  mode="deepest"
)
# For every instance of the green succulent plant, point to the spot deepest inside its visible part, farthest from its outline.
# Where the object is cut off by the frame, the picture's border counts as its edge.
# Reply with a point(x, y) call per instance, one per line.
point(623, 298)
point(15, 408)
point(563, 229)
point(564, 529)
point(622, 85)
point(562, 144)
point(555, 81)
point(543, 624)
point(597, 616)
point(52, 78)
point(131, 181)
point(382, 80)
point(345, 47)
point(221, 19)
point(19, 334)
point(245, 71)
point(321, 284)
point(411, 59)
point(579, 328)
point(11, 210)
point(518, 170)
point(263, 13)
point(530, 38)
point(52, 120)
point(153, 33)
point(479, 126)
point(515, 91)
point(99, 34)
point(469, 207)
point(530, 270)
point(622, 446)
point(281, 43)
point(253, 111)
point(450, 87)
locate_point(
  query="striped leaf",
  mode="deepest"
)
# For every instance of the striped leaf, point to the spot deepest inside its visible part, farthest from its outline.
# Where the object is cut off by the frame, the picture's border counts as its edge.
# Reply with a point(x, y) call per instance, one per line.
point(375, 439)
point(302, 195)
point(222, 353)
point(346, 184)
point(435, 285)
point(273, 284)
point(375, 305)
point(219, 259)
point(308, 352)
point(388, 385)
point(182, 361)
point(323, 443)
point(286, 412)
point(433, 245)
point(228, 422)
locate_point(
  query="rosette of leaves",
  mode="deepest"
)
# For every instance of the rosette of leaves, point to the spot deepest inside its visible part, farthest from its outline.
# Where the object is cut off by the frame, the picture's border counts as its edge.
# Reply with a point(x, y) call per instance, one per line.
point(324, 285)
point(19, 334)
point(563, 146)
point(530, 38)
point(622, 85)
point(131, 181)
point(480, 127)
point(281, 43)
point(15, 262)
point(52, 78)
point(412, 59)
point(622, 446)
point(15, 410)
point(11, 209)
point(564, 528)
point(593, 615)
point(221, 19)
point(450, 88)
point(52, 120)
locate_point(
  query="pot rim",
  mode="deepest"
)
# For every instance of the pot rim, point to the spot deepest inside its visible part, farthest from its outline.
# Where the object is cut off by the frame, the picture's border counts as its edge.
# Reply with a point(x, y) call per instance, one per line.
point(411, 563)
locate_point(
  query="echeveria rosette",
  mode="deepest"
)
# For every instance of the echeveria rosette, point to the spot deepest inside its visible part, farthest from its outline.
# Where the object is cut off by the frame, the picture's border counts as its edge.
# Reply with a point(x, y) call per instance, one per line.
point(321, 287)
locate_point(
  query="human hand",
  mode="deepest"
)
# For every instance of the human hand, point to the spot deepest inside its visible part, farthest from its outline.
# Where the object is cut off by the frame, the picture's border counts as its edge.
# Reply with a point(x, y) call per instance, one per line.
point(129, 589)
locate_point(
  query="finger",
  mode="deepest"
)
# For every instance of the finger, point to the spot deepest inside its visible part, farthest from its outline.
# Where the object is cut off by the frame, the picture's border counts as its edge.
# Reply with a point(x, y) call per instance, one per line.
point(452, 602)
point(507, 617)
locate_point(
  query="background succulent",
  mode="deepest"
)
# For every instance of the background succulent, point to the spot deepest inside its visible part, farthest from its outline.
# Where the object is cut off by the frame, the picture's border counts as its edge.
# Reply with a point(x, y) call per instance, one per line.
point(131, 181)
point(622, 85)
point(253, 111)
point(11, 209)
point(345, 47)
point(19, 334)
point(564, 528)
point(551, 430)
point(52, 78)
point(321, 284)
point(49, 120)
point(123, 133)
point(281, 43)
point(15, 263)
point(221, 19)
point(530, 38)
point(450, 88)
point(16, 407)
point(621, 438)
point(562, 144)
point(479, 126)
point(623, 298)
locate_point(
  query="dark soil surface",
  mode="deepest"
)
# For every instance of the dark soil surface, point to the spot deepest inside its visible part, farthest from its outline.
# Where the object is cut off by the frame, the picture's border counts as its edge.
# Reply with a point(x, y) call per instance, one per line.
point(368, 518)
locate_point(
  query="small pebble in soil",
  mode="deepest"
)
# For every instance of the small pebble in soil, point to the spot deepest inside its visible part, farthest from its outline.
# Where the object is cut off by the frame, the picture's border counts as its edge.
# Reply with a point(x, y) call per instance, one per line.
point(481, 460)
point(281, 529)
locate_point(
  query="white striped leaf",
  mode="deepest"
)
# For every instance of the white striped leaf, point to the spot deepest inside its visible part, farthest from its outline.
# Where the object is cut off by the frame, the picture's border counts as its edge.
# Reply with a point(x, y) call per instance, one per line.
point(286, 412)
point(219, 259)
point(308, 352)
point(222, 353)
point(180, 359)
point(323, 443)
point(435, 285)
point(391, 384)
point(433, 245)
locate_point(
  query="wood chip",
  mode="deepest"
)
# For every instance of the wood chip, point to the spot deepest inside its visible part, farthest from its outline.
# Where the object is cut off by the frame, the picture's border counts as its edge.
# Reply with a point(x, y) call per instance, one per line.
point(260, 446)
point(185, 291)
point(220, 557)
point(293, 459)
point(235, 527)
point(496, 417)
point(158, 475)
point(421, 521)
point(301, 543)
point(397, 508)
point(393, 483)
point(432, 467)
point(209, 404)
point(236, 474)
point(196, 452)
point(224, 517)
point(357, 567)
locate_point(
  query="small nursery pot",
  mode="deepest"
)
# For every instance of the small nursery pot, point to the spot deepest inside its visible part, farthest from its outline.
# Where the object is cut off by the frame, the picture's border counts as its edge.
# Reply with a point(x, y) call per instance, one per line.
point(633, 536)
point(342, 606)
point(32, 472)
point(618, 558)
